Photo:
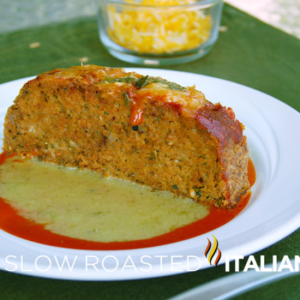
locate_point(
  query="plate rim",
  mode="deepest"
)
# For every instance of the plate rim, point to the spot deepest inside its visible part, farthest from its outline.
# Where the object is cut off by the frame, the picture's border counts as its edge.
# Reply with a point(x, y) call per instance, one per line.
point(290, 226)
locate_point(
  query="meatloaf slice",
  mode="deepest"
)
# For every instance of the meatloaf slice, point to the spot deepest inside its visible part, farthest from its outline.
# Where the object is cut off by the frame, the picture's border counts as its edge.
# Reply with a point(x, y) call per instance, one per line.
point(135, 127)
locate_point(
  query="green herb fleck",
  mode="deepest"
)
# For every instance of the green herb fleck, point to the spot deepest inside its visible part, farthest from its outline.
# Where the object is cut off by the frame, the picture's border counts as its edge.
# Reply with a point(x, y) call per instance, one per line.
point(128, 79)
point(126, 97)
point(153, 155)
point(141, 82)
point(135, 128)
point(175, 187)
point(106, 113)
point(171, 85)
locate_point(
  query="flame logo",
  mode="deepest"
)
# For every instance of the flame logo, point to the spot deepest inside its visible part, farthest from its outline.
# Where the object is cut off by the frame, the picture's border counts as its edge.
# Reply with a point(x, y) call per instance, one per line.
point(212, 251)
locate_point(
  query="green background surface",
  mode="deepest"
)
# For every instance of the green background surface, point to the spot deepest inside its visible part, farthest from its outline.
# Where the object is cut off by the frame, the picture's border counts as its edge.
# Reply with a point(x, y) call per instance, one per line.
point(249, 52)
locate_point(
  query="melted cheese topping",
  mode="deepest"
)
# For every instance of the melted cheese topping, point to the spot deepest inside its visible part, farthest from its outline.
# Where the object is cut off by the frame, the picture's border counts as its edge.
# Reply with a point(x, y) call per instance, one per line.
point(190, 98)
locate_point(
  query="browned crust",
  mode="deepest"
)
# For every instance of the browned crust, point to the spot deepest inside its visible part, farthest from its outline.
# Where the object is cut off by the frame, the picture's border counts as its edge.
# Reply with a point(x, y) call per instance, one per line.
point(220, 122)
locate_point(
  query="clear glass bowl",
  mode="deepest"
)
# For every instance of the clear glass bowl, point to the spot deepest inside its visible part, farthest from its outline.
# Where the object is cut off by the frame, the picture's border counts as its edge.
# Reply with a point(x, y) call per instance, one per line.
point(159, 32)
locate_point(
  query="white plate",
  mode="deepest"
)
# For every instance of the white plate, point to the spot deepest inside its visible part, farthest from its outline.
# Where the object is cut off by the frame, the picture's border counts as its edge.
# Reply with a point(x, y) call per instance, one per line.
point(272, 129)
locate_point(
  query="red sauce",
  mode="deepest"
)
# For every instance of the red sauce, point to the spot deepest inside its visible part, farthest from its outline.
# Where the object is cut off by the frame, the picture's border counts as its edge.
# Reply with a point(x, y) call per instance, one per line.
point(17, 225)
point(136, 117)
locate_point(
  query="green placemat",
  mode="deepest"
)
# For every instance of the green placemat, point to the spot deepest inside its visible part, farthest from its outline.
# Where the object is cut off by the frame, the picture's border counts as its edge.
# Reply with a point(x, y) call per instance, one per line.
point(249, 52)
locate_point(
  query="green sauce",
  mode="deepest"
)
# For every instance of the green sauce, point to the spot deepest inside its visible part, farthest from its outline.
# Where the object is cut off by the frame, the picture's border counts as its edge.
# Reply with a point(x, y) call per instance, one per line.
point(83, 204)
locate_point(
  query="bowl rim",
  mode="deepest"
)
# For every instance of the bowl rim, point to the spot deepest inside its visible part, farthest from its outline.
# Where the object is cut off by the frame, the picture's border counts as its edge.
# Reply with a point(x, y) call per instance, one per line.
point(198, 3)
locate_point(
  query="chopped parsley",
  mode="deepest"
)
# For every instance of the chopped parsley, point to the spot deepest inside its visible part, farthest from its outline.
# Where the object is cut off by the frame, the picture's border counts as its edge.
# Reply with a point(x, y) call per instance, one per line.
point(126, 98)
point(141, 82)
point(128, 79)
point(171, 85)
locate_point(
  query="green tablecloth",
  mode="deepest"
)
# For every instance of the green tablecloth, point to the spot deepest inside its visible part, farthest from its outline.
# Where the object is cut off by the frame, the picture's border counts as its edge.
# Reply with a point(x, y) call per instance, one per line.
point(249, 52)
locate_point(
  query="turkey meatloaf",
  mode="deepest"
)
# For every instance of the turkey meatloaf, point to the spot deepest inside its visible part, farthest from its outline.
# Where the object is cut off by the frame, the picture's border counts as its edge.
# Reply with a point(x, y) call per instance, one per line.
point(145, 129)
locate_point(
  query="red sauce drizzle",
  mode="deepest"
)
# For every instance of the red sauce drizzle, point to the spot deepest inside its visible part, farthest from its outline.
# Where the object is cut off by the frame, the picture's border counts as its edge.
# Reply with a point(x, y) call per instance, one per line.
point(136, 117)
point(13, 223)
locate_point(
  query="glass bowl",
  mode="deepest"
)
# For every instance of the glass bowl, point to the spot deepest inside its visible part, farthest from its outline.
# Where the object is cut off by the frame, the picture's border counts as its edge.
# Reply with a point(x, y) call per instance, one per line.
point(159, 32)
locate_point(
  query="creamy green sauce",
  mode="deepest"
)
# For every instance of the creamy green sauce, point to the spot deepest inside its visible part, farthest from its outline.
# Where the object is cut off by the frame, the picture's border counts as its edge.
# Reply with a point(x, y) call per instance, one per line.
point(83, 204)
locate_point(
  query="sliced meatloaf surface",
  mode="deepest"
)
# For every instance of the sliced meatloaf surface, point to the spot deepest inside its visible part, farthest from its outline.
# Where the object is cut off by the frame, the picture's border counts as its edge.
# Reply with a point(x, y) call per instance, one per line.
point(145, 129)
